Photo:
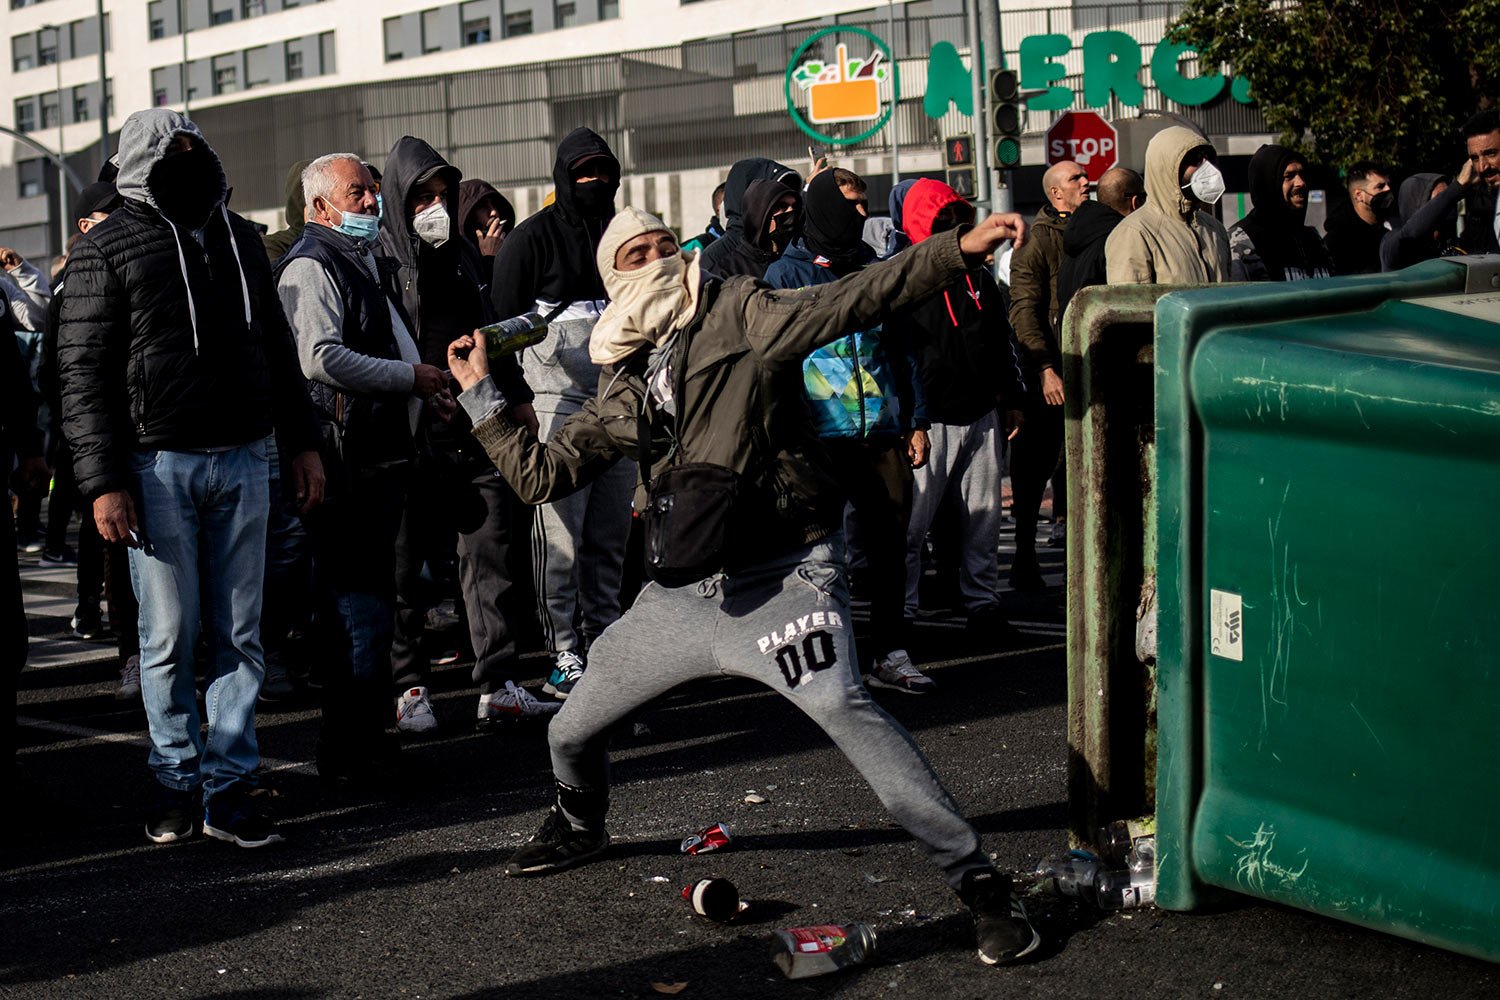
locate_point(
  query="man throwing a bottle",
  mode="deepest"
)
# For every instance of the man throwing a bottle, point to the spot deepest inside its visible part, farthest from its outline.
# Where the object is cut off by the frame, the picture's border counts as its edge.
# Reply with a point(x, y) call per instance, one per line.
point(709, 372)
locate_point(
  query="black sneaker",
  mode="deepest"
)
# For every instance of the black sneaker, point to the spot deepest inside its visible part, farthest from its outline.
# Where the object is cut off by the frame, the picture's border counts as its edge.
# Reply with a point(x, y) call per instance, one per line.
point(234, 816)
point(88, 624)
point(64, 556)
point(1001, 929)
point(170, 815)
point(556, 846)
point(1026, 576)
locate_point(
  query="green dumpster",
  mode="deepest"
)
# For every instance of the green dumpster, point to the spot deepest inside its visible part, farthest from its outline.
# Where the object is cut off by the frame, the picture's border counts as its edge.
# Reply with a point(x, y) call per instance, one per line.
point(1328, 567)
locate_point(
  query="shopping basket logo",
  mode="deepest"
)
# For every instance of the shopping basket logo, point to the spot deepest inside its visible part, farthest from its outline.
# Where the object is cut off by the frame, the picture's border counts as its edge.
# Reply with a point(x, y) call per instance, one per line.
point(847, 90)
point(864, 89)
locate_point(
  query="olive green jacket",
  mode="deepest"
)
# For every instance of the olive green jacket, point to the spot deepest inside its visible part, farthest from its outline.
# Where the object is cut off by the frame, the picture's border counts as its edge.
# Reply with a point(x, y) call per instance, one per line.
point(738, 400)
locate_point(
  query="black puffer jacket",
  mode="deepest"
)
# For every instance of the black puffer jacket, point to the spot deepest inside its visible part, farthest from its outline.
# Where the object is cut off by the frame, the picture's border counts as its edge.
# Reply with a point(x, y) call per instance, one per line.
point(165, 344)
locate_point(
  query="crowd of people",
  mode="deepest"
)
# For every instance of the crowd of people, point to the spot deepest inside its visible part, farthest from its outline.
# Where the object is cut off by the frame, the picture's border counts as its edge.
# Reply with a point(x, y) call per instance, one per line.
point(308, 432)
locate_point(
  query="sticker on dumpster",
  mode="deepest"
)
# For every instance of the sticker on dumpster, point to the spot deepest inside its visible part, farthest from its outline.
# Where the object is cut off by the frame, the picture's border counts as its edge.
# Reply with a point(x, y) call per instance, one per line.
point(1227, 634)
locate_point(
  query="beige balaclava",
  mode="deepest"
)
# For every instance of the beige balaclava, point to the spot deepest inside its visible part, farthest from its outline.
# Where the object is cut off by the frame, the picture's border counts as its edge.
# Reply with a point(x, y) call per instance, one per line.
point(647, 304)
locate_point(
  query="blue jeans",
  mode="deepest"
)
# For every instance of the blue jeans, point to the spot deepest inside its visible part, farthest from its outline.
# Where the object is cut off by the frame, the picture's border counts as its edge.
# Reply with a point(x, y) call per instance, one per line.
point(201, 511)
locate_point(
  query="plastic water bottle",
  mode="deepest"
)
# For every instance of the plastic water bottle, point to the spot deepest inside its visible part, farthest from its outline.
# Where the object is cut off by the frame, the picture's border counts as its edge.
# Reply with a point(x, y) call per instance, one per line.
point(800, 952)
point(1083, 876)
point(510, 336)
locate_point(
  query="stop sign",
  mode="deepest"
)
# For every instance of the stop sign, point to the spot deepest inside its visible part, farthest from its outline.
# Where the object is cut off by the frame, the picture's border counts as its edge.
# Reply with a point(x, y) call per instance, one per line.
point(1085, 138)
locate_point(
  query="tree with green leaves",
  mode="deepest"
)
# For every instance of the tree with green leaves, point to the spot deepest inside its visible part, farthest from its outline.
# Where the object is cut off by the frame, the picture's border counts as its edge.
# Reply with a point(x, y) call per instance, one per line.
point(1345, 80)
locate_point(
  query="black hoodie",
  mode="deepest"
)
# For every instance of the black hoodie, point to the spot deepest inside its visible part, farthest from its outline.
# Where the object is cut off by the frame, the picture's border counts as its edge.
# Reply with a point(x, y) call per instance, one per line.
point(1282, 247)
point(728, 255)
point(750, 251)
point(550, 256)
point(439, 287)
point(1083, 261)
point(1410, 240)
point(470, 194)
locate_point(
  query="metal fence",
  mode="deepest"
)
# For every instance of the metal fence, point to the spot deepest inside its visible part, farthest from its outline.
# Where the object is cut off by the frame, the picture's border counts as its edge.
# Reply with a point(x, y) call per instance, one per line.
point(700, 104)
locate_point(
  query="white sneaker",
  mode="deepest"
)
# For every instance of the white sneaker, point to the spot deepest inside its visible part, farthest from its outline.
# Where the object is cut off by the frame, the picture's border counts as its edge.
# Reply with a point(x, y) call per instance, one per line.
point(414, 712)
point(514, 703)
point(130, 680)
point(897, 672)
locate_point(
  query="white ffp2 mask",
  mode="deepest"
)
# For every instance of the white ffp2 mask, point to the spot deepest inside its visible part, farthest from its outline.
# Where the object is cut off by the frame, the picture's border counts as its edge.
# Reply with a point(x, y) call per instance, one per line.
point(432, 224)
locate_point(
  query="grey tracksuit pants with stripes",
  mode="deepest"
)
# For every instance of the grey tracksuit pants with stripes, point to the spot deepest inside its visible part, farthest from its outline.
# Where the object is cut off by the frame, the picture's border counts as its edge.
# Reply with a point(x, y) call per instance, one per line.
point(786, 624)
point(965, 458)
point(578, 552)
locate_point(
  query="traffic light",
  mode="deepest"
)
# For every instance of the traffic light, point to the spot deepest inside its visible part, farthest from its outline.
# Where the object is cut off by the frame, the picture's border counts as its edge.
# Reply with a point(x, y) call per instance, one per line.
point(1007, 119)
point(959, 150)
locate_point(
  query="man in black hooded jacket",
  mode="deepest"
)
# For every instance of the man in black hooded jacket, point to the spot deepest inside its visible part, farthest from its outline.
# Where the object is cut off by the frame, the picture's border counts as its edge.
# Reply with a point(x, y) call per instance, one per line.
point(437, 279)
point(1273, 243)
point(175, 365)
point(547, 266)
point(751, 241)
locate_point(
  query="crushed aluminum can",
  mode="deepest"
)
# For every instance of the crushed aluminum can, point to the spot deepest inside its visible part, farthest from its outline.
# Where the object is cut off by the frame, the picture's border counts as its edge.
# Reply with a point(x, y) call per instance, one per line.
point(714, 838)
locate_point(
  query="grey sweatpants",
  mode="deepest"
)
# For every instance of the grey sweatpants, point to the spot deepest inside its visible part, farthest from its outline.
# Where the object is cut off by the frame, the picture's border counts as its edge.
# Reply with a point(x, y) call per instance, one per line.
point(786, 624)
point(966, 458)
point(578, 553)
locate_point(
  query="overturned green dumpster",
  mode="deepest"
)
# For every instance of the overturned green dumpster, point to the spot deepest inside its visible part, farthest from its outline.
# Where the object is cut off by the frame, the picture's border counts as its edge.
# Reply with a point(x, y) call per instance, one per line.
point(1326, 573)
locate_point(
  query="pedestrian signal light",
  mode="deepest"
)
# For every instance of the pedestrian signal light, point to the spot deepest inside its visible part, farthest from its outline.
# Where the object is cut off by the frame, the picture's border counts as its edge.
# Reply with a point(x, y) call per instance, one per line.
point(960, 150)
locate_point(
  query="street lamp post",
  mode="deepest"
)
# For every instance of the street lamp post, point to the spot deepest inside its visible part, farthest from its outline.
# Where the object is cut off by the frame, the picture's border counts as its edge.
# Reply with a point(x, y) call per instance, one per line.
point(62, 180)
point(182, 29)
point(103, 94)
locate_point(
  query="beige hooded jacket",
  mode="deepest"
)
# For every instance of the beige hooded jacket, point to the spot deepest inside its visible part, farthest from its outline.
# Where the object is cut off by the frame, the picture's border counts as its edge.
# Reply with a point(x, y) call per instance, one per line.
point(1167, 241)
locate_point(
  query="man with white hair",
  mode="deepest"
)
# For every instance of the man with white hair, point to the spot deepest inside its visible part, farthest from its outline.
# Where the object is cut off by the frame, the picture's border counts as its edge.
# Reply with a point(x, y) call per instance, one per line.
point(702, 382)
point(366, 380)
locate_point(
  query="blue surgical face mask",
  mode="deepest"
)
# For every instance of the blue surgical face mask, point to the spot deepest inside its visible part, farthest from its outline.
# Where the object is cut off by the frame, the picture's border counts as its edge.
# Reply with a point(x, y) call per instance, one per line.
point(360, 226)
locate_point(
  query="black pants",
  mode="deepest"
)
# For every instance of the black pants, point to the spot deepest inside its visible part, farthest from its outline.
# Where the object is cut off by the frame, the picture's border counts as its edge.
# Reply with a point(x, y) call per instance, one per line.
point(490, 540)
point(484, 513)
point(353, 540)
point(12, 643)
point(1034, 460)
point(876, 478)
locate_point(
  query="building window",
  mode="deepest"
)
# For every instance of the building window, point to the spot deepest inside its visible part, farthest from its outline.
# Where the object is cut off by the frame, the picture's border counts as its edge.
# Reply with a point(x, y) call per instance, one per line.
point(221, 11)
point(431, 31)
point(257, 67)
point(32, 177)
point(518, 23)
point(50, 110)
point(393, 41)
point(566, 15)
point(22, 52)
point(254, 8)
point(609, 9)
point(477, 32)
point(327, 57)
point(82, 106)
point(294, 66)
point(46, 47)
point(25, 115)
point(226, 73)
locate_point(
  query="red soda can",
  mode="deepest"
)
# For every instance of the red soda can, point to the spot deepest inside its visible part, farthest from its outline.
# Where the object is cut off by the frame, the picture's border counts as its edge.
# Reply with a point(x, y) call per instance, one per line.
point(712, 839)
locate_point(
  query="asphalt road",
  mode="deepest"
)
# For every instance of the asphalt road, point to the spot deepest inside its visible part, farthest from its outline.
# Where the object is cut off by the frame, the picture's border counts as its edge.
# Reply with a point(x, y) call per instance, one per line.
point(402, 895)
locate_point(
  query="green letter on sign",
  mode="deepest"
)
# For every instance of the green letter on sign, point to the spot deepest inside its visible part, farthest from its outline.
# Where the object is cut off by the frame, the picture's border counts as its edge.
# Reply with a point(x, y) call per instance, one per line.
point(1176, 87)
point(1039, 68)
point(1111, 64)
point(948, 80)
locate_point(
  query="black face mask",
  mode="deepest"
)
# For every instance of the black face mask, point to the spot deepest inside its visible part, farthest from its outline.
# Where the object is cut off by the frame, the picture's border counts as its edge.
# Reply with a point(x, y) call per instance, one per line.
point(1383, 204)
point(594, 199)
point(187, 186)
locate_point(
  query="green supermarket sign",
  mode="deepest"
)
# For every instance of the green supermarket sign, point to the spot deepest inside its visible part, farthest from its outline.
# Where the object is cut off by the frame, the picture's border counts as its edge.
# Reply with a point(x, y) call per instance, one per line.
point(846, 88)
